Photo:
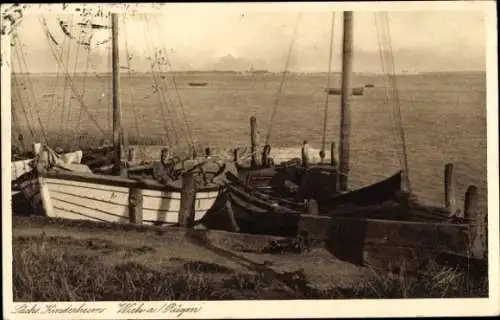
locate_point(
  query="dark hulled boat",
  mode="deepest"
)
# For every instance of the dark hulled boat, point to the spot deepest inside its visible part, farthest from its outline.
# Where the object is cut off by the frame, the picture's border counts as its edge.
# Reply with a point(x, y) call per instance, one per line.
point(357, 91)
point(198, 84)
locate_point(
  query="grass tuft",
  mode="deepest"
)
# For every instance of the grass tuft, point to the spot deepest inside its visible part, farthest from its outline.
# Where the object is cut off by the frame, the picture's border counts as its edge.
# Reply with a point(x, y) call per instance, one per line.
point(54, 269)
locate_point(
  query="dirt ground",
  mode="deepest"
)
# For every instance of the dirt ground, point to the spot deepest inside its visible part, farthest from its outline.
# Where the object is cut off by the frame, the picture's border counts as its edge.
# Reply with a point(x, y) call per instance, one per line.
point(174, 248)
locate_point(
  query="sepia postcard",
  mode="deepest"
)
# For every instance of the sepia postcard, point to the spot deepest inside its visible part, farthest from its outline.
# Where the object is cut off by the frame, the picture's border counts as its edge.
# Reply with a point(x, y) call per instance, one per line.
point(249, 160)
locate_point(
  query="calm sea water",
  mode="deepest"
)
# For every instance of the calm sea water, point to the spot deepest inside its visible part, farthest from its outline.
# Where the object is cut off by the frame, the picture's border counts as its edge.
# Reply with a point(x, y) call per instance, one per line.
point(444, 117)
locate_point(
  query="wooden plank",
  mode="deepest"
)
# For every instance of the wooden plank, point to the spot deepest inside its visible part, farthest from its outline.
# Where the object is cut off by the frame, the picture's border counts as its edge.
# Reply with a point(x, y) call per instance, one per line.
point(479, 228)
point(340, 231)
point(120, 181)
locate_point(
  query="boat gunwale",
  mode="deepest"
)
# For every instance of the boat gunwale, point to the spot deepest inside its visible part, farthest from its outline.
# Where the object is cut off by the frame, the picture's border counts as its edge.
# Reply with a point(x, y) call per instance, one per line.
point(120, 181)
point(250, 192)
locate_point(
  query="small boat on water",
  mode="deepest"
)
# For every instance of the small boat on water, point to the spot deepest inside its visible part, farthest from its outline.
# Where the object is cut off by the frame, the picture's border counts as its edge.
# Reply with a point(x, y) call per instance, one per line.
point(198, 84)
point(357, 91)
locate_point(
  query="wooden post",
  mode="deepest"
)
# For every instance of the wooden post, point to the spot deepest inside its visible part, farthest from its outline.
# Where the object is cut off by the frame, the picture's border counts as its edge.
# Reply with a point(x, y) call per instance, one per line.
point(36, 148)
point(312, 207)
point(188, 199)
point(305, 154)
point(235, 155)
point(479, 225)
point(131, 155)
point(265, 156)
point(253, 141)
point(344, 100)
point(333, 161)
point(449, 188)
point(322, 155)
point(135, 206)
point(117, 125)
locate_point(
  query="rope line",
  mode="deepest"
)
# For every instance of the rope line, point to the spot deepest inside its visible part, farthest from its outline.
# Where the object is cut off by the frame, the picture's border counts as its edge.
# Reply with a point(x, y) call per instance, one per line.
point(280, 89)
point(71, 84)
point(191, 141)
point(325, 116)
point(68, 116)
point(22, 61)
point(161, 94)
point(23, 108)
point(142, 149)
point(65, 93)
point(389, 69)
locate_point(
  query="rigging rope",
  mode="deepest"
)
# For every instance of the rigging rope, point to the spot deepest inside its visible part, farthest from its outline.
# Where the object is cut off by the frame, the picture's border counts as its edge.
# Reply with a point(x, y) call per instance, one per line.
point(186, 123)
point(325, 116)
point(85, 75)
point(142, 149)
point(161, 94)
point(23, 108)
point(161, 61)
point(389, 56)
point(72, 86)
point(31, 92)
point(81, 97)
point(56, 85)
point(276, 102)
point(65, 94)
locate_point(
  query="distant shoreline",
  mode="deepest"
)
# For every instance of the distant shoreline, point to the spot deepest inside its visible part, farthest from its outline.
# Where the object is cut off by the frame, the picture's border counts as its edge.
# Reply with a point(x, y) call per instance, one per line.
point(229, 72)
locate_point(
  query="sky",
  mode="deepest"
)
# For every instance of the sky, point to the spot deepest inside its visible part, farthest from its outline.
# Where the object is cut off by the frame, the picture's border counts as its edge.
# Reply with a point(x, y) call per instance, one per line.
point(197, 39)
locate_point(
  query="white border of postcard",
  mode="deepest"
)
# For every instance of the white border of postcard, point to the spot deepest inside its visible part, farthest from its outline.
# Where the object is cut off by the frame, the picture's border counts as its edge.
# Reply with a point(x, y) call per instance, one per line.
point(286, 308)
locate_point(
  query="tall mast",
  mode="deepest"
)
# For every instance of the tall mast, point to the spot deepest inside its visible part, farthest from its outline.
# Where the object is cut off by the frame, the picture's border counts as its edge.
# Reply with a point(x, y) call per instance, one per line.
point(117, 127)
point(344, 105)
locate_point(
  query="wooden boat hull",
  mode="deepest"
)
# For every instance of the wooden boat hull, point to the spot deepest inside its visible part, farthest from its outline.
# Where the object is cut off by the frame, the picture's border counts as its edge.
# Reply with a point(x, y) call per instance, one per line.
point(257, 213)
point(80, 196)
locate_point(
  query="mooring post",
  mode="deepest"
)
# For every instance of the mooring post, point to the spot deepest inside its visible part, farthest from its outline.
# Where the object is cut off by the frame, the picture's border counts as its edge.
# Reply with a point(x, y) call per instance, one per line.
point(312, 207)
point(253, 141)
point(188, 198)
point(131, 155)
point(235, 155)
point(135, 206)
point(36, 148)
point(305, 154)
point(449, 188)
point(479, 223)
point(265, 156)
point(333, 162)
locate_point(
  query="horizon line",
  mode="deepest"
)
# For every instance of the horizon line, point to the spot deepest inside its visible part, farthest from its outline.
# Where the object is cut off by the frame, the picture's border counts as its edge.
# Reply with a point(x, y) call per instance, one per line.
point(266, 72)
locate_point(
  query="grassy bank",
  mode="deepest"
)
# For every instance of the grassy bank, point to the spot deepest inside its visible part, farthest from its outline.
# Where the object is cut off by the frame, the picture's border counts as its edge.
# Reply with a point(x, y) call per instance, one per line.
point(67, 269)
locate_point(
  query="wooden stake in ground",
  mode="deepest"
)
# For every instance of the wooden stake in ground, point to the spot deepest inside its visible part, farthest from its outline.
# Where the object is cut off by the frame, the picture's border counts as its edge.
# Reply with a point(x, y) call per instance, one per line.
point(253, 141)
point(188, 199)
point(449, 188)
